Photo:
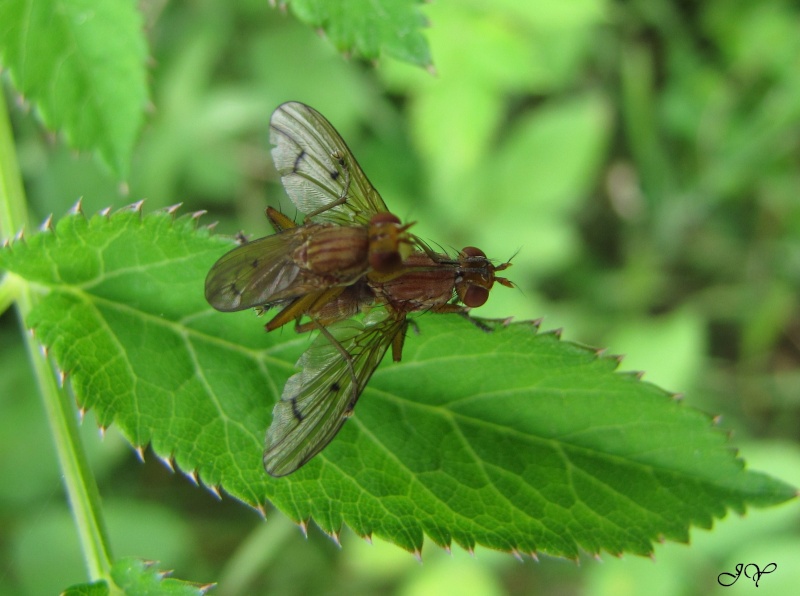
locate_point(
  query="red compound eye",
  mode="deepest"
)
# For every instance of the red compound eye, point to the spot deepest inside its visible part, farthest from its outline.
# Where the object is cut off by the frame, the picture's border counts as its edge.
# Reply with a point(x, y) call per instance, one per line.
point(471, 251)
point(475, 296)
point(384, 218)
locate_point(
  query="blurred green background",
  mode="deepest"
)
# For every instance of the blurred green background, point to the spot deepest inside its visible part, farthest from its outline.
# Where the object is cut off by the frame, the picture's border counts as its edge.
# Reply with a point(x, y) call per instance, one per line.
point(640, 160)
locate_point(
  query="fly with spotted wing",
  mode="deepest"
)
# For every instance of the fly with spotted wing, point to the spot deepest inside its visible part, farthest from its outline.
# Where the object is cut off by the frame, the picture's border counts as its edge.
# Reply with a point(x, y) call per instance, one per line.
point(318, 400)
point(350, 254)
point(348, 232)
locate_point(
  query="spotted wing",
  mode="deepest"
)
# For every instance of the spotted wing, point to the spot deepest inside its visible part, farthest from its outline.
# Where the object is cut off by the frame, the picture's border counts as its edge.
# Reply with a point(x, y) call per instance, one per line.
point(317, 401)
point(317, 169)
point(258, 273)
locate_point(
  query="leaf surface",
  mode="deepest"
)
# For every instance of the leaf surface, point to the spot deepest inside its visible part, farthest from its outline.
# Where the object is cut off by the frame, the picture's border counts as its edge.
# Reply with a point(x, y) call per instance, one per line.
point(369, 27)
point(513, 439)
point(82, 64)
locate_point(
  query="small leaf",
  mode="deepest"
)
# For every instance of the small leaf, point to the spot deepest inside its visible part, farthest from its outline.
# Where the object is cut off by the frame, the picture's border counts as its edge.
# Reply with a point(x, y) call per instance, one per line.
point(94, 589)
point(82, 63)
point(137, 577)
point(513, 439)
point(369, 27)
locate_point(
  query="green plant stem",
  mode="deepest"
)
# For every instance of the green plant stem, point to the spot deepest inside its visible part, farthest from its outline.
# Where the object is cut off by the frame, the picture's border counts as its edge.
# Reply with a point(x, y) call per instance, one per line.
point(61, 413)
point(255, 554)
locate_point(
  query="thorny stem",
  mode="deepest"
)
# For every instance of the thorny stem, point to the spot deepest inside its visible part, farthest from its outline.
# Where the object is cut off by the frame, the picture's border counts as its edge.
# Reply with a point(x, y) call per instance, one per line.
point(60, 409)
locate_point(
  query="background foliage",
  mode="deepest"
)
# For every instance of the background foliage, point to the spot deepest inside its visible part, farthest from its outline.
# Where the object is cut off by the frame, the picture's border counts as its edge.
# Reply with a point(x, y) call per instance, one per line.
point(643, 158)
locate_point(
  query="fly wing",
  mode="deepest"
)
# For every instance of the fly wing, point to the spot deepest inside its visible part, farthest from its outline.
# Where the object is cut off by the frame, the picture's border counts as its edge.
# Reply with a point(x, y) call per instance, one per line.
point(258, 273)
point(318, 400)
point(317, 169)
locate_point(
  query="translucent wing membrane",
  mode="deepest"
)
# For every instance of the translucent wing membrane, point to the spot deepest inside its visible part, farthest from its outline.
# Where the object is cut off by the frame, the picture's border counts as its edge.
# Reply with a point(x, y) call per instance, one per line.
point(317, 400)
point(317, 169)
point(291, 263)
point(255, 274)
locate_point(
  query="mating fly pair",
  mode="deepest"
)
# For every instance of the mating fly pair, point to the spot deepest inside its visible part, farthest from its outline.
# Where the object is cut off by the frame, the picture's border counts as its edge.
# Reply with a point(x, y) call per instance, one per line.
point(350, 255)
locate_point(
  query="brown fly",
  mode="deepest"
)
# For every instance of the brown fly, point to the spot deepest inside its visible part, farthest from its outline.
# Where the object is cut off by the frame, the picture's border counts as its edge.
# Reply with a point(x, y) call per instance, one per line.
point(347, 233)
point(349, 255)
point(336, 368)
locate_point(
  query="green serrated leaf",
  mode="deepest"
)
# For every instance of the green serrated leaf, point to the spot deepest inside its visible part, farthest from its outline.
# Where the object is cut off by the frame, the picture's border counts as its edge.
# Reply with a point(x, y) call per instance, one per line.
point(513, 439)
point(82, 64)
point(94, 589)
point(369, 27)
point(142, 578)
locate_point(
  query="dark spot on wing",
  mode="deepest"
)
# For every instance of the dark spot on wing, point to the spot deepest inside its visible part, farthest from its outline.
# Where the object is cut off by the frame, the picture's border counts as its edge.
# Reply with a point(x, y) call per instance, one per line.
point(254, 263)
point(335, 387)
point(295, 411)
point(297, 160)
point(334, 174)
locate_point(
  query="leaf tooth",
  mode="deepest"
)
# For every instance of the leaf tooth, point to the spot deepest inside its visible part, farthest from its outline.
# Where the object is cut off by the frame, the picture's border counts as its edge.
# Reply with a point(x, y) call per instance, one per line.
point(105, 212)
point(20, 236)
point(205, 588)
point(165, 574)
point(77, 208)
point(173, 209)
point(432, 70)
point(417, 555)
point(677, 396)
point(303, 525)
point(62, 378)
point(148, 563)
point(6, 243)
point(193, 477)
point(446, 548)
point(597, 557)
point(22, 102)
point(262, 511)
point(534, 556)
point(335, 537)
point(198, 214)
point(471, 551)
point(517, 555)
point(81, 414)
point(102, 429)
point(168, 462)
point(368, 538)
point(47, 224)
point(44, 350)
point(139, 452)
point(212, 226)
point(137, 206)
point(639, 374)
point(716, 420)
point(214, 491)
